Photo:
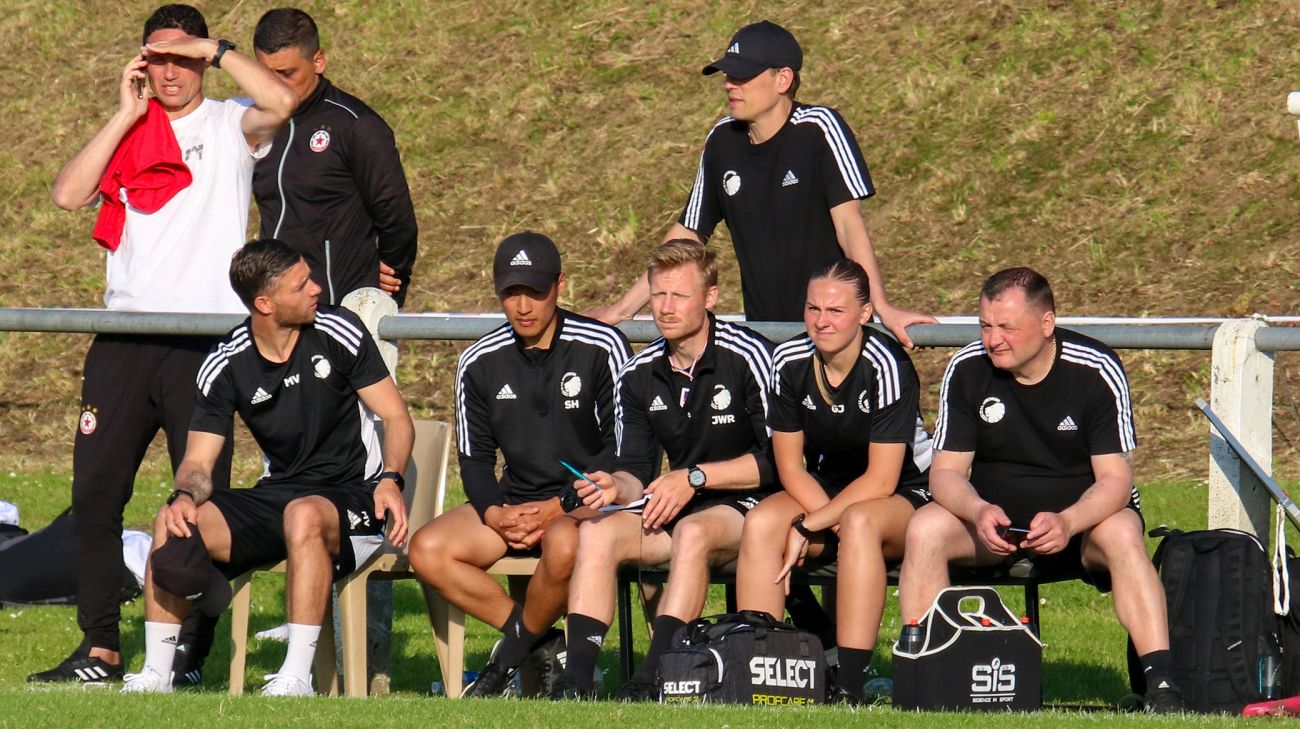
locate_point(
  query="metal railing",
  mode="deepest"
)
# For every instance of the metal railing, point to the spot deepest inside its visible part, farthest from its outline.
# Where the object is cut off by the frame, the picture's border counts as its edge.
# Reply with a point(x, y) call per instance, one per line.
point(1241, 370)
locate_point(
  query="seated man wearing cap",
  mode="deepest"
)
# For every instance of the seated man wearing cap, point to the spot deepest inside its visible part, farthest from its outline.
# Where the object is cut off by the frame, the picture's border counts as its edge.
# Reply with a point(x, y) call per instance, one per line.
point(539, 389)
point(296, 376)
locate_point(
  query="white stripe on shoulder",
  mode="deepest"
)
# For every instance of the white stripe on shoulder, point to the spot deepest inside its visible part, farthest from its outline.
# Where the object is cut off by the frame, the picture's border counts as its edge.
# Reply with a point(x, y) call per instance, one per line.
point(1113, 375)
point(696, 199)
point(974, 349)
point(652, 352)
point(840, 146)
point(600, 334)
point(889, 386)
point(502, 336)
point(751, 349)
point(341, 330)
point(219, 358)
point(786, 354)
point(344, 108)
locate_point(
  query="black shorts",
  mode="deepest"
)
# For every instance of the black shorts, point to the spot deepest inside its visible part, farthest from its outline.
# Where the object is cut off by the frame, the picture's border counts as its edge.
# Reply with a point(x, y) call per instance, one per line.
point(741, 501)
point(255, 517)
point(1068, 563)
point(917, 496)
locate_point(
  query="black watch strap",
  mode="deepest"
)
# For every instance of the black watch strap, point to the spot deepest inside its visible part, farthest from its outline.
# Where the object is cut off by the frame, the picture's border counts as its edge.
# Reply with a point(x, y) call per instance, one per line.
point(398, 479)
point(223, 45)
point(177, 494)
point(799, 527)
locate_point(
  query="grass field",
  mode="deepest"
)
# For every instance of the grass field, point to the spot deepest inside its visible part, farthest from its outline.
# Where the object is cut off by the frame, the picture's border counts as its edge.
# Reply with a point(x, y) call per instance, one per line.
point(1083, 659)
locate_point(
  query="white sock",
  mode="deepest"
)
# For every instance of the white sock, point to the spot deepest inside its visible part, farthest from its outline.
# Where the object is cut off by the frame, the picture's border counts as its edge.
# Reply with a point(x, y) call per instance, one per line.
point(160, 648)
point(302, 649)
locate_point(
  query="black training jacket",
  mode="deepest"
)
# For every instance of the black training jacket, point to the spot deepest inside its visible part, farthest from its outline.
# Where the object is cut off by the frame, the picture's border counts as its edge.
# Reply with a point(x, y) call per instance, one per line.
point(333, 188)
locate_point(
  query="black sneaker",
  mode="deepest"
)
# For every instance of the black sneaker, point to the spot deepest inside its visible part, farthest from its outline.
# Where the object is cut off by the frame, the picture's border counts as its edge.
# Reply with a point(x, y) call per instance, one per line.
point(638, 690)
point(838, 696)
point(1165, 698)
point(566, 689)
point(548, 659)
point(186, 670)
point(494, 681)
point(79, 668)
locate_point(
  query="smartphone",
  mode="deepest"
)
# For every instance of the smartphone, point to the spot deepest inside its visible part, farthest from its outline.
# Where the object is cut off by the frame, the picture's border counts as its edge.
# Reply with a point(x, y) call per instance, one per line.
point(139, 87)
point(1014, 534)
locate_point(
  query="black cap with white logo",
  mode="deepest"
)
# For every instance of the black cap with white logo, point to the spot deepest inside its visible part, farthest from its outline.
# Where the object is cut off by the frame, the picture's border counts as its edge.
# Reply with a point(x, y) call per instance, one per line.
point(526, 259)
point(756, 48)
point(183, 568)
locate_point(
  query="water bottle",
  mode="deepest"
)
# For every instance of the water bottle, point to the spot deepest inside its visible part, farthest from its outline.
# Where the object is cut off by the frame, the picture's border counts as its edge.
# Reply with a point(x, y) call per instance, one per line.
point(913, 638)
point(1270, 683)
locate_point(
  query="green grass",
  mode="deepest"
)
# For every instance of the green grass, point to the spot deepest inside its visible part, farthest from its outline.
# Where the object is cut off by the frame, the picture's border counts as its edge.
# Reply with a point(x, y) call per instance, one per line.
point(1083, 659)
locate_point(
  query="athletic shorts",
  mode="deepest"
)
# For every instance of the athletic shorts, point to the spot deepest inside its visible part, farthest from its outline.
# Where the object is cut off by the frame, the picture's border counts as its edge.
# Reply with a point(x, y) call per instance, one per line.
point(741, 501)
point(1068, 563)
point(255, 517)
point(917, 497)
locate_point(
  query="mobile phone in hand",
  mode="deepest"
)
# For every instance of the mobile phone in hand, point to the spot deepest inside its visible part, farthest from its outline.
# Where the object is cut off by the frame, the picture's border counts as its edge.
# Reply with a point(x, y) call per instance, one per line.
point(1014, 534)
point(139, 86)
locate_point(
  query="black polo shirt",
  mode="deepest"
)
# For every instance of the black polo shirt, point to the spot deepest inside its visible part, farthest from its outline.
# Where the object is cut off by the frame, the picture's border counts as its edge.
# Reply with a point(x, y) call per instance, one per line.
point(879, 402)
point(1034, 444)
point(776, 199)
point(716, 414)
point(537, 407)
point(304, 413)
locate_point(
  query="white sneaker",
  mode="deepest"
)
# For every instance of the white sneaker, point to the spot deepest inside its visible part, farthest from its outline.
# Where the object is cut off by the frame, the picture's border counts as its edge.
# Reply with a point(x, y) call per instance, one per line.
point(282, 684)
point(146, 681)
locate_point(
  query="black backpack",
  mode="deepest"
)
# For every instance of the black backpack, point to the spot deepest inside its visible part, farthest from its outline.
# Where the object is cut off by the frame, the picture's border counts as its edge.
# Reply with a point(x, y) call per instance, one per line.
point(747, 657)
point(1222, 629)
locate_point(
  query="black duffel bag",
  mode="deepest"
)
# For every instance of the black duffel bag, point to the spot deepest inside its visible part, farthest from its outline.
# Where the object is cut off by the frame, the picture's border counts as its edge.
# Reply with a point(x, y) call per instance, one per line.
point(747, 657)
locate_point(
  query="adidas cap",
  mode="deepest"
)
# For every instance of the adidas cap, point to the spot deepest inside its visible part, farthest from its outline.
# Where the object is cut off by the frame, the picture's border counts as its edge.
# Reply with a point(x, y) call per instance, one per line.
point(526, 259)
point(183, 568)
point(756, 48)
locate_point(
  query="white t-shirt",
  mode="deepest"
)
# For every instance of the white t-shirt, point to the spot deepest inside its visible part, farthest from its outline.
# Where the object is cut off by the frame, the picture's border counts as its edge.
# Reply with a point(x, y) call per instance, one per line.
point(178, 259)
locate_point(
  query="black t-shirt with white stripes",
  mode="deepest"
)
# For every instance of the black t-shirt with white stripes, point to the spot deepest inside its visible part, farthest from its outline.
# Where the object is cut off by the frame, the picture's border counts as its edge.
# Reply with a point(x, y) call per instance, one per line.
point(717, 414)
point(776, 199)
point(537, 407)
point(304, 413)
point(1033, 444)
point(879, 402)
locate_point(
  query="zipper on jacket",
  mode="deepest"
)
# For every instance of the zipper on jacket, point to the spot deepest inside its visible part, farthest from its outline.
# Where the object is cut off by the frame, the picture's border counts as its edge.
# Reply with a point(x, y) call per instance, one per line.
point(329, 274)
point(279, 181)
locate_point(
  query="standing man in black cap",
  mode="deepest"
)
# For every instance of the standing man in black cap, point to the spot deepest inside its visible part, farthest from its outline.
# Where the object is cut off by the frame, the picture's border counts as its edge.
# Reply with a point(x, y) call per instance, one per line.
point(786, 177)
point(540, 390)
point(296, 375)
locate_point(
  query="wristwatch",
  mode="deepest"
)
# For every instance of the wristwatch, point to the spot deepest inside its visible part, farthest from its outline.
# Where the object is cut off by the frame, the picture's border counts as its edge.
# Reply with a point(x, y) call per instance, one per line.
point(696, 478)
point(223, 45)
point(177, 494)
point(397, 479)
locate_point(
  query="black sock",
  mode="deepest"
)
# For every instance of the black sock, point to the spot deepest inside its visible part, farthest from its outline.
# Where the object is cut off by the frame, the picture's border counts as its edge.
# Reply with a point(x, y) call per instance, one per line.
point(665, 627)
point(586, 636)
point(1157, 666)
point(517, 641)
point(854, 665)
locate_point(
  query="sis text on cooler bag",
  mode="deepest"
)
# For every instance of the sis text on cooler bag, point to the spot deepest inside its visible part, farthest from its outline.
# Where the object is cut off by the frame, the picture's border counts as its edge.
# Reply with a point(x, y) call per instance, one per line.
point(747, 657)
point(968, 652)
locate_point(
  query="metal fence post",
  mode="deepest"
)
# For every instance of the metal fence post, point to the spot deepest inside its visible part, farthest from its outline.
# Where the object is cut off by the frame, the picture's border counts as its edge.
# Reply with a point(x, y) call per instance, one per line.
point(1241, 393)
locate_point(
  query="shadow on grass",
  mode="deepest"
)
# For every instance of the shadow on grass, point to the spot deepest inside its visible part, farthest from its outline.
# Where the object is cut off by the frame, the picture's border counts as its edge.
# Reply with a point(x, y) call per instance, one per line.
point(1073, 683)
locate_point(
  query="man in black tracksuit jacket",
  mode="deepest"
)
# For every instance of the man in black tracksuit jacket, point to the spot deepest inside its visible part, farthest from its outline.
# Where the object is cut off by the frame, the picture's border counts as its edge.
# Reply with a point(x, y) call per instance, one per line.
point(333, 185)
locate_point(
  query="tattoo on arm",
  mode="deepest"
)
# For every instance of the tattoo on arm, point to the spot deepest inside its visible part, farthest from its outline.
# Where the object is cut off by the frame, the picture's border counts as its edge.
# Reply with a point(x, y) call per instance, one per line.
point(1128, 458)
point(199, 485)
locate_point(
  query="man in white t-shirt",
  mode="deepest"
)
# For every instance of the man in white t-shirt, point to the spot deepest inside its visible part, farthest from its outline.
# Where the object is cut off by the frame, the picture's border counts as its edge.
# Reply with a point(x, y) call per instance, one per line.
point(174, 259)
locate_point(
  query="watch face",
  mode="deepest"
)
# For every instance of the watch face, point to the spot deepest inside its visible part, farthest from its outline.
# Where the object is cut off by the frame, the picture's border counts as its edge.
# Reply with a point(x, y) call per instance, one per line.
point(695, 477)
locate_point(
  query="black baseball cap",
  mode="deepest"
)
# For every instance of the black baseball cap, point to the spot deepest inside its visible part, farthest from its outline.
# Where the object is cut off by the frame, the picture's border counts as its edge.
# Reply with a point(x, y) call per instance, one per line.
point(756, 48)
point(526, 259)
point(183, 568)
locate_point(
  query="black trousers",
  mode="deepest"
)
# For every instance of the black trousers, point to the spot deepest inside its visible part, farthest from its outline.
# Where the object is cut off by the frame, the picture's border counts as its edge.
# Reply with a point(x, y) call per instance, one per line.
point(133, 386)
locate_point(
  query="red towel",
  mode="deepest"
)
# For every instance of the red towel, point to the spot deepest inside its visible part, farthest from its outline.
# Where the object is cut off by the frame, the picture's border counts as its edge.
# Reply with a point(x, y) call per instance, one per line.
point(147, 163)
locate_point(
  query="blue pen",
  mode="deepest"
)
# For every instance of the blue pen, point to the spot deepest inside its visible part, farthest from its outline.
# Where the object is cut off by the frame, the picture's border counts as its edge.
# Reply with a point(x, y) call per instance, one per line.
point(578, 473)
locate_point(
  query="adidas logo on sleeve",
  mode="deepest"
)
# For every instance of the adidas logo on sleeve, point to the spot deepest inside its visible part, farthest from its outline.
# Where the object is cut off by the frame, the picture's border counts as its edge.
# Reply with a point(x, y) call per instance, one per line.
point(505, 393)
point(1067, 424)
